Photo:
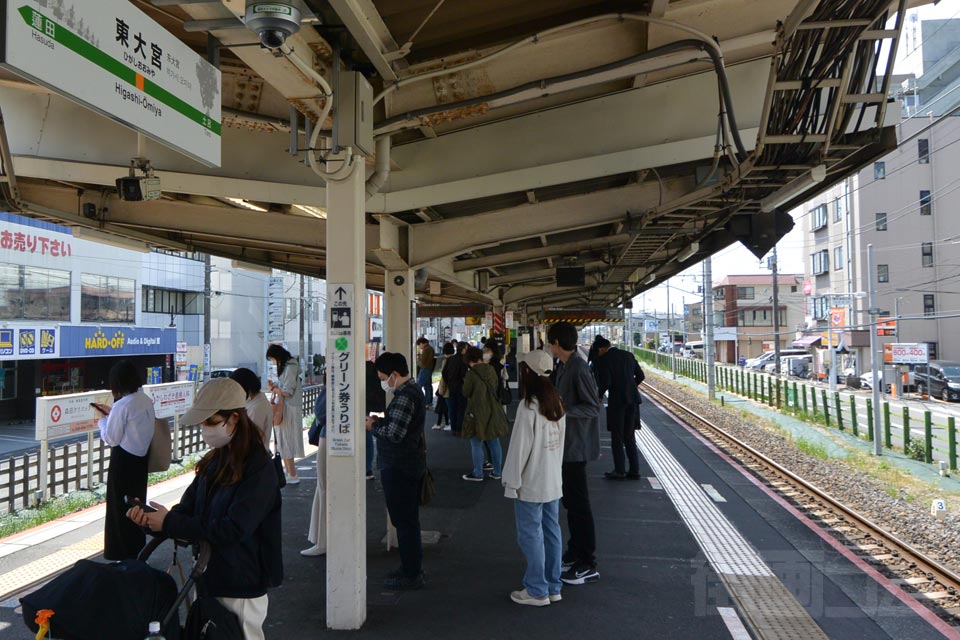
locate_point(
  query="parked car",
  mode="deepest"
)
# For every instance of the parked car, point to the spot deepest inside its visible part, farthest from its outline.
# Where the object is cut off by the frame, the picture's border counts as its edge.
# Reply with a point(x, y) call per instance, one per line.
point(939, 379)
point(223, 372)
point(760, 362)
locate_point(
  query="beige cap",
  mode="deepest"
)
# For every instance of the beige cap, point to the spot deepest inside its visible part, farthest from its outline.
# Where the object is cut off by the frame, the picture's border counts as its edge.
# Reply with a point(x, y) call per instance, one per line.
point(539, 362)
point(219, 394)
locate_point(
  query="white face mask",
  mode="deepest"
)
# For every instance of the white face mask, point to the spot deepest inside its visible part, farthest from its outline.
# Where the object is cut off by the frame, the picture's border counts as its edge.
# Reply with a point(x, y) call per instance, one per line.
point(385, 385)
point(487, 357)
point(216, 437)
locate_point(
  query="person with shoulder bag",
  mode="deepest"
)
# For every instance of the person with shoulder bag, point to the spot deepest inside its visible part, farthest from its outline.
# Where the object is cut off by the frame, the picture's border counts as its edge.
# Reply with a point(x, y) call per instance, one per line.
point(233, 504)
point(288, 396)
point(491, 356)
point(317, 534)
point(127, 427)
point(484, 421)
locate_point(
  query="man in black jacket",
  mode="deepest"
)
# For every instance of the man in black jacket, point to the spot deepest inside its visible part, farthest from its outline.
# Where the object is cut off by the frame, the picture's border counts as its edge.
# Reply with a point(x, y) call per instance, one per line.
point(581, 444)
point(619, 374)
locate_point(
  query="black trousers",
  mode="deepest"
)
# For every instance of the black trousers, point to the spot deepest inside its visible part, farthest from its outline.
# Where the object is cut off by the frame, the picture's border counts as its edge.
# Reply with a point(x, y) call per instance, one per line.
point(622, 424)
point(576, 500)
point(127, 476)
point(401, 492)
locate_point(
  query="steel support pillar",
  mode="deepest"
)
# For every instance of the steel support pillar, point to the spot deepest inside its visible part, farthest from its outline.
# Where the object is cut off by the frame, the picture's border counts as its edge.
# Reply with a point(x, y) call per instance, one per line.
point(346, 474)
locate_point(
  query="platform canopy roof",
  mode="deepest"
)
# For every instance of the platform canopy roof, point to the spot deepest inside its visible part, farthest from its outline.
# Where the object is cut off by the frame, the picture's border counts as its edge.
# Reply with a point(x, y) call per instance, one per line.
point(632, 138)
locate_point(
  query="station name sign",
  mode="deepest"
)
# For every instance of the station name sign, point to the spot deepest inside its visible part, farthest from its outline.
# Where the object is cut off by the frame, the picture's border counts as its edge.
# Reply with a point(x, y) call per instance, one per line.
point(114, 59)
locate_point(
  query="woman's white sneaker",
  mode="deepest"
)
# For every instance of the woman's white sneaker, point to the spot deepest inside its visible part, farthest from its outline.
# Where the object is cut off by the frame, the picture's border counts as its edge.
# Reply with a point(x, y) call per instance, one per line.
point(522, 597)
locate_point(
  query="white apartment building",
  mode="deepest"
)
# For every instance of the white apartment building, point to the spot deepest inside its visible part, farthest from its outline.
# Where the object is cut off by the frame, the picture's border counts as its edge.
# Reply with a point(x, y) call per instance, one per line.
point(905, 206)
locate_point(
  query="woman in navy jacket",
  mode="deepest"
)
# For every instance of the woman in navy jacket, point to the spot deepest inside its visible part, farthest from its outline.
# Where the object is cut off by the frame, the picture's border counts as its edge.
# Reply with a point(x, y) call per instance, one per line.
point(233, 503)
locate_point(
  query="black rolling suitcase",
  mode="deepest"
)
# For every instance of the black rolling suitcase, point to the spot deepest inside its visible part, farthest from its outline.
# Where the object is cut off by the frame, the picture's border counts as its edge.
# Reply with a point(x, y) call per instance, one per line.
point(117, 601)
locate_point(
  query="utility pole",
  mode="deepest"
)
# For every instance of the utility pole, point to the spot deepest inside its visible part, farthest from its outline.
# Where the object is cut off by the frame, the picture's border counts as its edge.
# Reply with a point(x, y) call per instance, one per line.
point(833, 348)
point(673, 353)
point(874, 356)
point(308, 366)
point(708, 327)
point(303, 308)
point(776, 314)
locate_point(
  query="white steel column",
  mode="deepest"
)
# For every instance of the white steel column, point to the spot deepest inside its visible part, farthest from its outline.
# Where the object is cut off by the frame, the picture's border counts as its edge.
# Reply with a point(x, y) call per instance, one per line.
point(346, 475)
point(398, 318)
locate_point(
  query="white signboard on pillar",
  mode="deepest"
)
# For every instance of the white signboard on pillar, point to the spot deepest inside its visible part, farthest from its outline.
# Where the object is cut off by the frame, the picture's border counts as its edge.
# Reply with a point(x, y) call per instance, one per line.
point(341, 360)
point(113, 58)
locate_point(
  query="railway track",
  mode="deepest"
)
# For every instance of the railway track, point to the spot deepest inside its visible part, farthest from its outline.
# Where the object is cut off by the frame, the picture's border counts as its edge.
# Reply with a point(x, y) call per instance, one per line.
point(924, 578)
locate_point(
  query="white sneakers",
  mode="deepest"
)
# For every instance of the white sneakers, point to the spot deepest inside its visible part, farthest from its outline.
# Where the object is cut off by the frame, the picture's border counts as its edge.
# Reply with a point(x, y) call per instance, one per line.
point(522, 597)
point(293, 479)
point(315, 550)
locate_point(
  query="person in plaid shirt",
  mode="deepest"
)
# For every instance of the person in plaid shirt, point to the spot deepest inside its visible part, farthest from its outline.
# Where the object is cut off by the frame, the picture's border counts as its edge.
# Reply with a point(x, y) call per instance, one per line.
point(402, 460)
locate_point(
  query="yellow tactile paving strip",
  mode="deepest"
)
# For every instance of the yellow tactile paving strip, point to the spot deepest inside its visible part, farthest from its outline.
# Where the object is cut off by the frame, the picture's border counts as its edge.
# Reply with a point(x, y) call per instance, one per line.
point(20, 578)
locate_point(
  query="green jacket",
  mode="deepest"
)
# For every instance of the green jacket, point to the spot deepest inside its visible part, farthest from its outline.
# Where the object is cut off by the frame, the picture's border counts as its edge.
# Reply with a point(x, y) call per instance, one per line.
point(485, 417)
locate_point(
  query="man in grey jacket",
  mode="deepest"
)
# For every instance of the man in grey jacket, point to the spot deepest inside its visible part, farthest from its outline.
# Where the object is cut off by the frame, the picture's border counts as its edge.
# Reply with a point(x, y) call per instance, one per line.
point(581, 445)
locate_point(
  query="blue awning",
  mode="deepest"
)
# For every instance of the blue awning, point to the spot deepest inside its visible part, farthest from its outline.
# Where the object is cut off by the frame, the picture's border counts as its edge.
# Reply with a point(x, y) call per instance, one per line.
point(806, 342)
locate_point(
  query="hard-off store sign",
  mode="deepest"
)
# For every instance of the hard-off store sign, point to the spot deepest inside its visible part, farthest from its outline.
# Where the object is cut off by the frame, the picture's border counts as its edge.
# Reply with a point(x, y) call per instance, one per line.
point(111, 57)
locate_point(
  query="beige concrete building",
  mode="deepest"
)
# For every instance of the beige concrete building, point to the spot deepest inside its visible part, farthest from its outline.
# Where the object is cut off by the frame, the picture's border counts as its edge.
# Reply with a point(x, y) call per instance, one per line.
point(745, 303)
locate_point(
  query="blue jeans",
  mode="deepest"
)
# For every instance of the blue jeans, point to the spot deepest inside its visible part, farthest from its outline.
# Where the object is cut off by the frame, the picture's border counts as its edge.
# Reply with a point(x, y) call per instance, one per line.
point(425, 382)
point(538, 534)
point(370, 450)
point(476, 452)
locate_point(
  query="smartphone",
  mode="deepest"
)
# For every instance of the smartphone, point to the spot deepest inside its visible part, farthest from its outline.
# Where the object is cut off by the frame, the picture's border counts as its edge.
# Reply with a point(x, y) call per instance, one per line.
point(135, 502)
point(97, 407)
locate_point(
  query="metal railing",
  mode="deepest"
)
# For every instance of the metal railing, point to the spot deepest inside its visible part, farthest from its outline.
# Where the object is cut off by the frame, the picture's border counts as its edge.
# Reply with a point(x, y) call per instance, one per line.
point(77, 466)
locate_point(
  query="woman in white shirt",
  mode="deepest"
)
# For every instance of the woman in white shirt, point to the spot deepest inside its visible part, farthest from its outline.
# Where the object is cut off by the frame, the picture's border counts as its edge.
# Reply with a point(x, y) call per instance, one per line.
point(532, 476)
point(127, 427)
point(258, 407)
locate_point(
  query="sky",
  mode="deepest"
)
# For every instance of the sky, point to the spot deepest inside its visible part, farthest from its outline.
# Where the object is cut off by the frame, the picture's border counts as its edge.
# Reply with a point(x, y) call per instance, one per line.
point(736, 259)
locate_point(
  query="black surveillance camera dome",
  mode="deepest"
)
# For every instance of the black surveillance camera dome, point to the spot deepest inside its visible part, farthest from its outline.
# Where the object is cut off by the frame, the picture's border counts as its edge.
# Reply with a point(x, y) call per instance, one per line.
point(273, 38)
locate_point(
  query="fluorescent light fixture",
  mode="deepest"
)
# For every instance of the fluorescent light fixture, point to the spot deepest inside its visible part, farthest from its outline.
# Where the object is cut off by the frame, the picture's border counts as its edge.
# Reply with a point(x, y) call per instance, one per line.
point(792, 189)
point(240, 202)
point(316, 212)
point(650, 278)
point(689, 252)
point(82, 233)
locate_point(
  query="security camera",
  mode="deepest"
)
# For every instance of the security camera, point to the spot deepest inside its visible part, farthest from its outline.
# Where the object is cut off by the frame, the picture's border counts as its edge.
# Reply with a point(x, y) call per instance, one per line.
point(274, 22)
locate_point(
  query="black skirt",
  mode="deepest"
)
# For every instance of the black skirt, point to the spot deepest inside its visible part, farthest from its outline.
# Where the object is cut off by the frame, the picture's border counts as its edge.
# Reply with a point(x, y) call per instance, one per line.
point(122, 539)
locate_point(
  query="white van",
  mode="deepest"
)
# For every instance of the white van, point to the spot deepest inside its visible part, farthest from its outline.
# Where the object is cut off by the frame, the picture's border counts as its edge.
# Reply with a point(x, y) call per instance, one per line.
point(693, 349)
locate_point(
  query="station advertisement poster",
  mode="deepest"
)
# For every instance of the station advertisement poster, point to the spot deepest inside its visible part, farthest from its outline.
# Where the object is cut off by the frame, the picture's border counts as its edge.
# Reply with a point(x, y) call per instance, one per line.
point(79, 342)
point(61, 416)
point(171, 399)
point(114, 59)
point(67, 415)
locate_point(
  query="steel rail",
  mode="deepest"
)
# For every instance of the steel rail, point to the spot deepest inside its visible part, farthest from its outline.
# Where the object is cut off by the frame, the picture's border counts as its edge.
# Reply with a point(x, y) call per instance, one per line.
point(923, 562)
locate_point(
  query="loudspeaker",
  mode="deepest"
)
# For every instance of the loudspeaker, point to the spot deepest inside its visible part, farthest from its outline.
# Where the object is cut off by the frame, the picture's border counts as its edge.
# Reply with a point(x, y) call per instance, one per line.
point(571, 276)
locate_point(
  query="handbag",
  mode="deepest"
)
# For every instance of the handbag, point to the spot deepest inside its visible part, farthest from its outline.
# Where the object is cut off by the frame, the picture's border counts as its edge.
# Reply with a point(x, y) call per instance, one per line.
point(427, 487)
point(277, 407)
point(210, 620)
point(505, 393)
point(159, 454)
point(278, 467)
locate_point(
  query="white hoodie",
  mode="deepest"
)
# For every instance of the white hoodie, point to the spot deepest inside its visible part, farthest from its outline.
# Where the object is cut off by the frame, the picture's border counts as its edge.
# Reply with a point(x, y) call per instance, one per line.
point(532, 472)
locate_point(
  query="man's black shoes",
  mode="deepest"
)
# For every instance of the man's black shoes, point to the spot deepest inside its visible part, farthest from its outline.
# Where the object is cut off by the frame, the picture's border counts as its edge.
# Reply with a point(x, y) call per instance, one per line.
point(615, 475)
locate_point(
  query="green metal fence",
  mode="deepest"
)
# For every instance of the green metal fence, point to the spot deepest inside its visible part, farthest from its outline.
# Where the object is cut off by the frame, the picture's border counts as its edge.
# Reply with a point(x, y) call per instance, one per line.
point(848, 412)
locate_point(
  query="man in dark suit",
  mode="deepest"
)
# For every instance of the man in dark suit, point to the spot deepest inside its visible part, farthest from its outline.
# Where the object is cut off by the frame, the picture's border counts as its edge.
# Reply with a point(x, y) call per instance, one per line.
point(619, 374)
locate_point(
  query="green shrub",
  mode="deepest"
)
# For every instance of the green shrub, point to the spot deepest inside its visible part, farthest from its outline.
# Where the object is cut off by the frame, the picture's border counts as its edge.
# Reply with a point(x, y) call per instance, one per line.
point(915, 450)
